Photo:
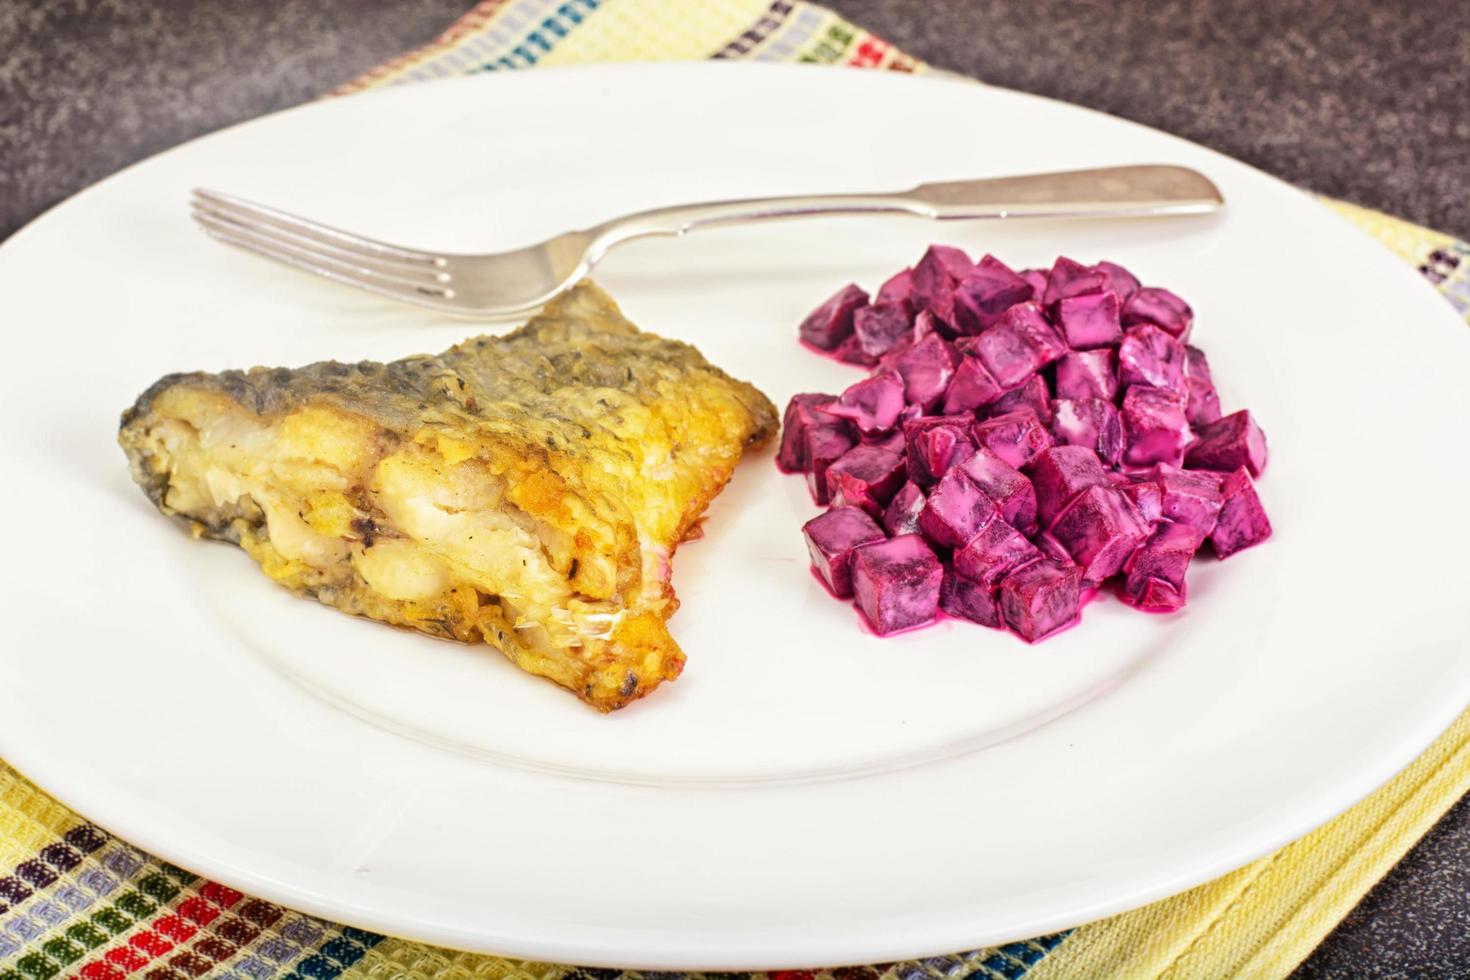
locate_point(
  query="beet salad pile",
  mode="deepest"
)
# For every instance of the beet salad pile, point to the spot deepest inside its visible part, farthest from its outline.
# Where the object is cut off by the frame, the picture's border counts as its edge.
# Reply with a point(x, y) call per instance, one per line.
point(1023, 437)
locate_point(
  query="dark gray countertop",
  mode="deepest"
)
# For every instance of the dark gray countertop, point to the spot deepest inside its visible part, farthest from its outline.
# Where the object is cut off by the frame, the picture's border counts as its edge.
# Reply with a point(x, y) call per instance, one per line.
point(1366, 101)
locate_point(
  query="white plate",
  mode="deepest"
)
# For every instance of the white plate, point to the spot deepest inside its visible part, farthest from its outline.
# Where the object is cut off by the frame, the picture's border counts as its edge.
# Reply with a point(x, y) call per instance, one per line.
point(804, 794)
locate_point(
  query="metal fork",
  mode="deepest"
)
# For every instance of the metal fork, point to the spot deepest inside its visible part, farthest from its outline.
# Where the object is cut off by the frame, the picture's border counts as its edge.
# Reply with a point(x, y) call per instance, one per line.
point(505, 283)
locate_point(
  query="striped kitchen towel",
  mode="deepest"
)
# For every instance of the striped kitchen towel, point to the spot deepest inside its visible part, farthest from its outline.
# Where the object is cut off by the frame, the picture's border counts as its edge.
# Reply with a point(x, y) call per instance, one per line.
point(76, 901)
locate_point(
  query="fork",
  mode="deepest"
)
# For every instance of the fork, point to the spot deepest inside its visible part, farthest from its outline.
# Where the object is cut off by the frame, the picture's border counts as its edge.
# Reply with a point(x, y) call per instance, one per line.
point(502, 284)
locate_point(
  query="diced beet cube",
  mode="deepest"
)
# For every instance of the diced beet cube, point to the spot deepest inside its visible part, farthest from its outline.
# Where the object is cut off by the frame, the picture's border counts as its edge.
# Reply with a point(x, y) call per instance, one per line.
point(902, 514)
point(1120, 280)
point(1100, 528)
point(1006, 351)
point(956, 510)
point(1015, 437)
point(935, 444)
point(1242, 520)
point(799, 416)
point(1031, 393)
point(935, 276)
point(1010, 491)
point(1154, 595)
point(1037, 279)
point(865, 477)
point(871, 404)
point(1020, 343)
point(896, 583)
point(889, 361)
point(927, 322)
point(1040, 598)
point(1154, 426)
point(899, 288)
point(987, 291)
point(941, 304)
point(1091, 320)
point(1042, 337)
point(825, 445)
point(878, 328)
point(891, 441)
point(830, 539)
point(1165, 556)
point(924, 326)
point(964, 599)
point(919, 423)
point(1158, 306)
point(1089, 422)
point(1155, 572)
point(1204, 403)
point(1147, 496)
point(831, 323)
point(1088, 374)
point(850, 351)
point(1189, 497)
point(1050, 547)
point(994, 553)
point(1228, 443)
point(1059, 474)
point(1149, 356)
point(1068, 278)
point(927, 369)
point(941, 263)
point(997, 278)
point(971, 387)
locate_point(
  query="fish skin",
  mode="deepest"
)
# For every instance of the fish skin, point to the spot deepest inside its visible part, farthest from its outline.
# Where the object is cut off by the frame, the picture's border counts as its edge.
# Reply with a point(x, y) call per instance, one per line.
point(603, 442)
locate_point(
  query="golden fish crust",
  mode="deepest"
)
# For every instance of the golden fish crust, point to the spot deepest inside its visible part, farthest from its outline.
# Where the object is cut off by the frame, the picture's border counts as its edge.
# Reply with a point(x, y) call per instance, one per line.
point(526, 490)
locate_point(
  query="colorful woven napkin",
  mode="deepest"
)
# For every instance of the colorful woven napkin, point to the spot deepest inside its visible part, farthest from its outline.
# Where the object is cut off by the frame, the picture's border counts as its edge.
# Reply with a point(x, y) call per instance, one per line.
point(76, 901)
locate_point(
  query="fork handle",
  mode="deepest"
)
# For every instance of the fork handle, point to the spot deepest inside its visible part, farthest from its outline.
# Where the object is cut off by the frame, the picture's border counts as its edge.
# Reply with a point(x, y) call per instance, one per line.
point(1105, 192)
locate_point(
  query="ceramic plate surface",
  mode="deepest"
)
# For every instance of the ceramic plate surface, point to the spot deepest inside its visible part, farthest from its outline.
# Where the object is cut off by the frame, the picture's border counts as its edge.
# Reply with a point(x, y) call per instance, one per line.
point(805, 794)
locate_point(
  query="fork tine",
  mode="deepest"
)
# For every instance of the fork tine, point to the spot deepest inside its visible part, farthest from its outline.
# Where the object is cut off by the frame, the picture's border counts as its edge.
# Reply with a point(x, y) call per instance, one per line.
point(207, 216)
point(250, 213)
point(413, 291)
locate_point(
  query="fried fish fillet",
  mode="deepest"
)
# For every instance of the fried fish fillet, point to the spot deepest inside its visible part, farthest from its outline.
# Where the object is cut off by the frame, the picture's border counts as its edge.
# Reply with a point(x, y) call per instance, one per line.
point(525, 490)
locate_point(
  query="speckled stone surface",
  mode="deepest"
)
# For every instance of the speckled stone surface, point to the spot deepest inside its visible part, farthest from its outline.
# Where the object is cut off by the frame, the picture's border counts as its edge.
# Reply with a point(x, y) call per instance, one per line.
point(90, 86)
point(1362, 100)
point(1416, 923)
